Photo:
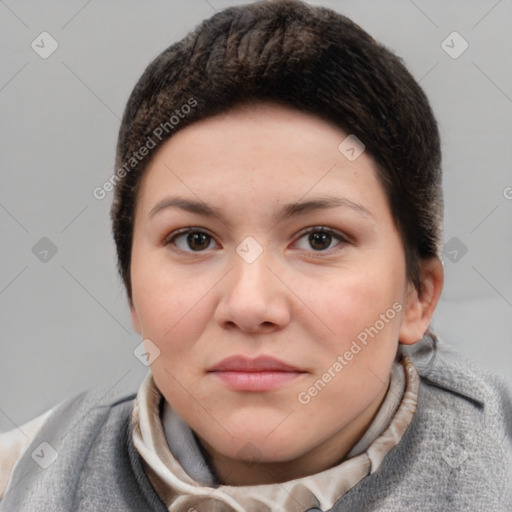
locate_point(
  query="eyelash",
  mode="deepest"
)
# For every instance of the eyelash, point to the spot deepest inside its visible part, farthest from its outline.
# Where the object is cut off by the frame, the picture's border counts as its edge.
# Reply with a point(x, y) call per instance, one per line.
point(321, 229)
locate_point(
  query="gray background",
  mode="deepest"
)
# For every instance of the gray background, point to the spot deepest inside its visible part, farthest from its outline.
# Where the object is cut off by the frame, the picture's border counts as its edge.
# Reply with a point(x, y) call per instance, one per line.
point(65, 321)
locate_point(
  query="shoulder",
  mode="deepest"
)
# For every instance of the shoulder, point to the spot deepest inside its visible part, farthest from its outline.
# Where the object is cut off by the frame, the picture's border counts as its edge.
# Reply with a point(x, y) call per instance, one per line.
point(460, 379)
point(470, 406)
point(461, 440)
point(455, 374)
point(13, 444)
point(77, 413)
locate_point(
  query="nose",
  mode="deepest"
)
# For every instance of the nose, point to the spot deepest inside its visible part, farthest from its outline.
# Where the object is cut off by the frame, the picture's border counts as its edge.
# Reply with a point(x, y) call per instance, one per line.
point(254, 297)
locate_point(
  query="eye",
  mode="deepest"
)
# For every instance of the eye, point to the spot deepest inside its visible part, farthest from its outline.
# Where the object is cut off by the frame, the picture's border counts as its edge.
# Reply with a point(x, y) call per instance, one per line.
point(190, 238)
point(193, 240)
point(320, 238)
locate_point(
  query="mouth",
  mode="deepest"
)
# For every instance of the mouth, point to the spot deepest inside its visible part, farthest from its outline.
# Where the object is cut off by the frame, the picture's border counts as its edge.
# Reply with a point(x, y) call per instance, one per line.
point(260, 374)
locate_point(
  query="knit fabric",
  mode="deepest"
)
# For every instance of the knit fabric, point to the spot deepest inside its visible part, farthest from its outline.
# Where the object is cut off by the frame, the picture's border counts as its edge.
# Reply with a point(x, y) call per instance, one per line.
point(455, 455)
point(180, 491)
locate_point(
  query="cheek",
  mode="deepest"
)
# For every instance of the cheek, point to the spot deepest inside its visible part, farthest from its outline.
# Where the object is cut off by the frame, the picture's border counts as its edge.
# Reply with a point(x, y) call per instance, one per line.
point(172, 321)
point(171, 309)
point(352, 303)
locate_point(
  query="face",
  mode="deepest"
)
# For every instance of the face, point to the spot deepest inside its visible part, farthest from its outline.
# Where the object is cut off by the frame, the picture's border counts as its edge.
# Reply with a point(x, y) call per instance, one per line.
point(320, 288)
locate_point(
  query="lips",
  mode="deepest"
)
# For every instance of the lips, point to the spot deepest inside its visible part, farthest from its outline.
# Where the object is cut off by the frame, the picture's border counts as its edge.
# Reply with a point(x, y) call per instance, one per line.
point(263, 373)
point(259, 364)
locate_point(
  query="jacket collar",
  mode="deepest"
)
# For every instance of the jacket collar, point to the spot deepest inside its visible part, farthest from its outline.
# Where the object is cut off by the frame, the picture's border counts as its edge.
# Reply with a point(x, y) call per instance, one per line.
point(440, 365)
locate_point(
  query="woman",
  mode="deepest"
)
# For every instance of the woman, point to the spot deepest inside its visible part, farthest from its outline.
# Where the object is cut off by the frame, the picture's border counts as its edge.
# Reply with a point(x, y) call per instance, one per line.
point(277, 217)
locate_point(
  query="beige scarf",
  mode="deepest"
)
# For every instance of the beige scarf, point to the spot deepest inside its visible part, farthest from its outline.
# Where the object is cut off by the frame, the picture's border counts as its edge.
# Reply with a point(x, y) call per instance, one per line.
point(181, 492)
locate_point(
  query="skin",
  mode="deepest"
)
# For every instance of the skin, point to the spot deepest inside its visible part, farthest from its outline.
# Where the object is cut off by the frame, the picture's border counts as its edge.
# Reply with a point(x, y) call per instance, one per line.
point(299, 301)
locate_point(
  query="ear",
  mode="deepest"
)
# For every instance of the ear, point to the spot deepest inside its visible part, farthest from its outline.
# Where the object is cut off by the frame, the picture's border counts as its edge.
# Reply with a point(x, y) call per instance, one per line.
point(420, 308)
point(135, 319)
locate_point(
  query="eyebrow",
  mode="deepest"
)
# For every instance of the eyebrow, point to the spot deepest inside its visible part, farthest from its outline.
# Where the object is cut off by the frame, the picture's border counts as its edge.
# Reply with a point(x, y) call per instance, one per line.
point(286, 211)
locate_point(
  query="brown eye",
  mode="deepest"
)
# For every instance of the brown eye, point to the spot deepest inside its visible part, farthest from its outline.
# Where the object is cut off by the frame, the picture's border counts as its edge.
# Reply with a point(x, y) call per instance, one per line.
point(198, 241)
point(321, 238)
point(190, 240)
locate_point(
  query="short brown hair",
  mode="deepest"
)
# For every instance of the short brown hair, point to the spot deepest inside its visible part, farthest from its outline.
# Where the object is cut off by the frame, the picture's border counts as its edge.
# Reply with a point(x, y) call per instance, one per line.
point(312, 59)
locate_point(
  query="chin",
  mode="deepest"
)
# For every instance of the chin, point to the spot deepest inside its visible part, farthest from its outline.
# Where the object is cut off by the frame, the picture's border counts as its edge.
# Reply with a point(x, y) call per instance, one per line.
point(258, 447)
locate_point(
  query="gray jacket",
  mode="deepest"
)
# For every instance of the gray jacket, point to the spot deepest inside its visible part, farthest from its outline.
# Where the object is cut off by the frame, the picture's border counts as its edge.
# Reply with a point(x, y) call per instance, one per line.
point(456, 454)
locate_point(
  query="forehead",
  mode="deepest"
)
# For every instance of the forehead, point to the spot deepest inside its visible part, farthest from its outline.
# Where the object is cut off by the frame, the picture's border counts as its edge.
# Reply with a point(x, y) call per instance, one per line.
point(263, 153)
